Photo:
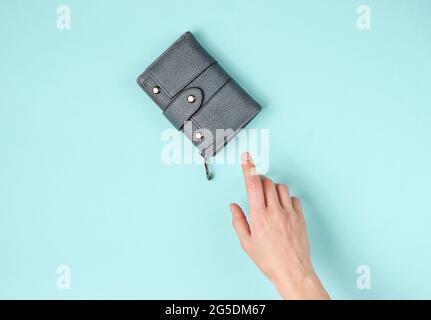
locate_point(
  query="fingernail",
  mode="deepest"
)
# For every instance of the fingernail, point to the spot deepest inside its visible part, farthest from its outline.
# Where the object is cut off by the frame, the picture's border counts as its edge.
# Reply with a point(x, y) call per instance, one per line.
point(245, 157)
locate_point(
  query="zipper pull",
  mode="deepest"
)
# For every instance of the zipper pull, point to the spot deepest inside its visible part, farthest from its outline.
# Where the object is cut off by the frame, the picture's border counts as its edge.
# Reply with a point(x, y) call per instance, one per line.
point(208, 172)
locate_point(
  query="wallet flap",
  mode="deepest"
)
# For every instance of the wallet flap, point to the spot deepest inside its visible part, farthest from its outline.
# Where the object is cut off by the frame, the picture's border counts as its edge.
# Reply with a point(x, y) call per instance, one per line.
point(184, 106)
point(180, 64)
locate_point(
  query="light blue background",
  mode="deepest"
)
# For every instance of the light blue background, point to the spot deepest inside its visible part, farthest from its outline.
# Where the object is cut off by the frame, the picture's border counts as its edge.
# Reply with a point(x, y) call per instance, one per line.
point(82, 183)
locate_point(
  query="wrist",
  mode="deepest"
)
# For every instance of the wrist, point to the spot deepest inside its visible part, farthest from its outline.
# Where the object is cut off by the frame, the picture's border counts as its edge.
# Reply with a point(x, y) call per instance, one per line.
point(306, 286)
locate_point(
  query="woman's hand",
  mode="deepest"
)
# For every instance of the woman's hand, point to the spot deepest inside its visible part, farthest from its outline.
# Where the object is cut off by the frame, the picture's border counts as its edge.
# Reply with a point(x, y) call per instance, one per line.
point(275, 236)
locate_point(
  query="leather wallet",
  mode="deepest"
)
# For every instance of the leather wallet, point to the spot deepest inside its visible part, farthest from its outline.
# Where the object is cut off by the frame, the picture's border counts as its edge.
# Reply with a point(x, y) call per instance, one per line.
point(197, 96)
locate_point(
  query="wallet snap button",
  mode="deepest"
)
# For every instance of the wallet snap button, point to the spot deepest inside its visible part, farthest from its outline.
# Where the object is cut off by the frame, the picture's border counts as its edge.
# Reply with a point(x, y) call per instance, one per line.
point(156, 89)
point(191, 99)
point(199, 135)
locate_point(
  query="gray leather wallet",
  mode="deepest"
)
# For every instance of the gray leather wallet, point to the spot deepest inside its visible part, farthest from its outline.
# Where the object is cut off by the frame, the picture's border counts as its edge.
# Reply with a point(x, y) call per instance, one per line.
point(197, 96)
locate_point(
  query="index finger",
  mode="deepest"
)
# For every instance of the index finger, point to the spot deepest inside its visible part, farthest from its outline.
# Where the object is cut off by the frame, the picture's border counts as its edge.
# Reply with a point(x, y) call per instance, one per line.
point(253, 183)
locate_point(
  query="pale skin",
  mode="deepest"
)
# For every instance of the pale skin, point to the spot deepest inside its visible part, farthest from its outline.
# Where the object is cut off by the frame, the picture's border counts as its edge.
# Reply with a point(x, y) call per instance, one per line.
point(275, 236)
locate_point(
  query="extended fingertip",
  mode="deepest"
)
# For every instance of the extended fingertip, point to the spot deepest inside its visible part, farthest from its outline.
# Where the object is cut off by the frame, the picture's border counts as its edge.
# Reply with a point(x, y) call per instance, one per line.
point(246, 158)
point(248, 164)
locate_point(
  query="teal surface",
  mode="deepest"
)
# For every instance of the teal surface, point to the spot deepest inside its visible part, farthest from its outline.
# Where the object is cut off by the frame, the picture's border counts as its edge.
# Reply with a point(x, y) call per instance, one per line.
point(82, 183)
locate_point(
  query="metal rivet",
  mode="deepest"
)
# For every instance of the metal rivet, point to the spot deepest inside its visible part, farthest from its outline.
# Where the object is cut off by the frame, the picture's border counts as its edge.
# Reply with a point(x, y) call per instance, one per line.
point(199, 135)
point(156, 89)
point(191, 98)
